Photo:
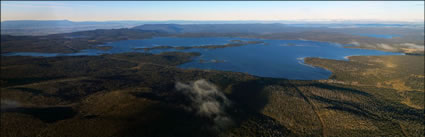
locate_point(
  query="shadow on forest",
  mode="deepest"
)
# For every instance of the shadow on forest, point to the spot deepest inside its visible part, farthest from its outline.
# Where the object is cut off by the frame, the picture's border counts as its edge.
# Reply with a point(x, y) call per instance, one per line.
point(171, 118)
point(376, 108)
point(47, 114)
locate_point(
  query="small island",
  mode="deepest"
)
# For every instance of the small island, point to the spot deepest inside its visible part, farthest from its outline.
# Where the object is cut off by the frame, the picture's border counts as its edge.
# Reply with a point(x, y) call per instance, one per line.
point(235, 43)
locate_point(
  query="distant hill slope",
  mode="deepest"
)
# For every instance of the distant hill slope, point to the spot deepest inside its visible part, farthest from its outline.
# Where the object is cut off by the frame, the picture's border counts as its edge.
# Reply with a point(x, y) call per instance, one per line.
point(222, 28)
point(278, 27)
point(45, 27)
point(407, 38)
point(404, 39)
point(70, 42)
point(35, 23)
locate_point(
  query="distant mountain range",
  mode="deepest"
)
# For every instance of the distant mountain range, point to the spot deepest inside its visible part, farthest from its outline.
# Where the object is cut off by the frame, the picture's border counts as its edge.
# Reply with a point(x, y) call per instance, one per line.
point(217, 28)
point(45, 27)
point(59, 23)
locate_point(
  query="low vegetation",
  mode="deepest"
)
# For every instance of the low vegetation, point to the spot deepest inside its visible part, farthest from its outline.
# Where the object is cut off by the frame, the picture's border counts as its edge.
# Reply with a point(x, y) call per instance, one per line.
point(403, 74)
point(140, 94)
point(70, 42)
point(134, 94)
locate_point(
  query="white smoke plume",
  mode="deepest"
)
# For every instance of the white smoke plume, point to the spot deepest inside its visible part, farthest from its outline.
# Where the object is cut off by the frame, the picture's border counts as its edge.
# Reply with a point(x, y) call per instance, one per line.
point(207, 101)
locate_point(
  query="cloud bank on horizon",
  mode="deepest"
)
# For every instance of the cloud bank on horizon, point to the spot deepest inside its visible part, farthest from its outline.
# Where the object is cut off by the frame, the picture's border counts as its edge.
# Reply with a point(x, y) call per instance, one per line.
point(213, 10)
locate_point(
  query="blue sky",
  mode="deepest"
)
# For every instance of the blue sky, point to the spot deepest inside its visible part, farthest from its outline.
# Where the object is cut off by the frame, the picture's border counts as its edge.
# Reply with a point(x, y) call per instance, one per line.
point(213, 10)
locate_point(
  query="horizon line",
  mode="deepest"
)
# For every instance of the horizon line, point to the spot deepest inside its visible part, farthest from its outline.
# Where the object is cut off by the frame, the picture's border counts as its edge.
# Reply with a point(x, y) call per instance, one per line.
point(297, 20)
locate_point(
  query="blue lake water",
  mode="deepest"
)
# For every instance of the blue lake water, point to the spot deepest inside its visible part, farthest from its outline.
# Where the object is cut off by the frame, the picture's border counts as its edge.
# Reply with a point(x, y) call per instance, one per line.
point(384, 36)
point(273, 58)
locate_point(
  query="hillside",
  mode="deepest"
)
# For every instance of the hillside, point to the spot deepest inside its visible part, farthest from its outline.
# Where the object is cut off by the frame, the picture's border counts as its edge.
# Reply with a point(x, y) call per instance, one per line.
point(404, 74)
point(47, 27)
point(135, 94)
point(70, 42)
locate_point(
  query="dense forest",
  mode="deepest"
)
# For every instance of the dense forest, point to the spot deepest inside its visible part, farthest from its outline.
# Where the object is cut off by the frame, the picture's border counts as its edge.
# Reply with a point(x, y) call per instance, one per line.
point(146, 94)
point(141, 94)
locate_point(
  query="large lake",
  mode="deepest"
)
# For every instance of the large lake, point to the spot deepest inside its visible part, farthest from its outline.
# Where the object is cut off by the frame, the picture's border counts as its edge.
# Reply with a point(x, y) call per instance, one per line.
point(384, 36)
point(273, 58)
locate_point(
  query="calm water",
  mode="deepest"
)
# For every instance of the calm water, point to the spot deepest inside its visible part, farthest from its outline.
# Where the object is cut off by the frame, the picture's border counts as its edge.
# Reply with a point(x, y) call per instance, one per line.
point(384, 36)
point(275, 58)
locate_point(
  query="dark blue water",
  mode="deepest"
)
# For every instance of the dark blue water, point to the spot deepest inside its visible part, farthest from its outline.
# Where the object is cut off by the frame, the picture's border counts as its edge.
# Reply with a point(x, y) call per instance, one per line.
point(384, 36)
point(275, 58)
